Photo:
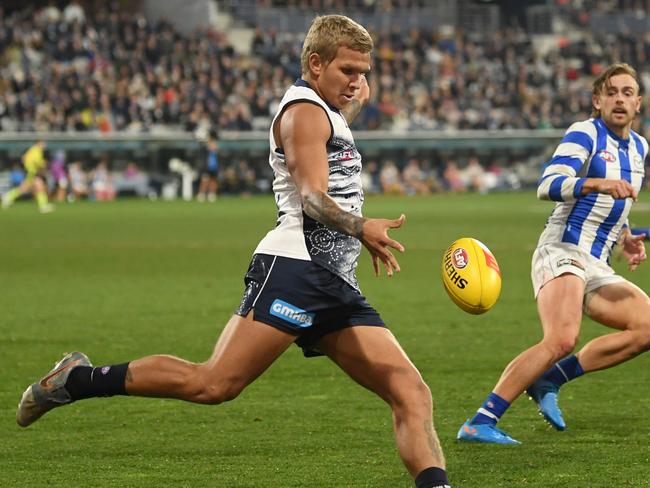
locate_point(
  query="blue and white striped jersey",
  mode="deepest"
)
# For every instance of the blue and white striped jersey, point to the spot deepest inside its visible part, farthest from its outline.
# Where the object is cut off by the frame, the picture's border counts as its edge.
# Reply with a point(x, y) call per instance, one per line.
point(594, 221)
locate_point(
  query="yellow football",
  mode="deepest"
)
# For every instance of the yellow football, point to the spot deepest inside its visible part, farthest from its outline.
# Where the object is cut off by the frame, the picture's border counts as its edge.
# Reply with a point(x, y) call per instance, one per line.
point(471, 275)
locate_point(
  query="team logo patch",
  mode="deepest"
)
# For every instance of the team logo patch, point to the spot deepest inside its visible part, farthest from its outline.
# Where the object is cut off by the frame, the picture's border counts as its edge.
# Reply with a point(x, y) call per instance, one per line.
point(638, 162)
point(292, 314)
point(106, 369)
point(460, 258)
point(569, 262)
point(605, 155)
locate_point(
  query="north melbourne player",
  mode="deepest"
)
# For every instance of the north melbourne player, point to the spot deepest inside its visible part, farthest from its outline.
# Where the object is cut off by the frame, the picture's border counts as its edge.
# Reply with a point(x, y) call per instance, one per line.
point(594, 176)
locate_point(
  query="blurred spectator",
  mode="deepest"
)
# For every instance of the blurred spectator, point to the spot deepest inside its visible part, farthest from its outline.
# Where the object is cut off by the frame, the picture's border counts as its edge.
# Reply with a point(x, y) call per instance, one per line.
point(370, 177)
point(453, 177)
point(415, 180)
point(131, 181)
point(246, 177)
point(431, 176)
point(74, 13)
point(391, 180)
point(59, 176)
point(51, 14)
point(102, 182)
point(229, 180)
point(78, 181)
point(474, 176)
point(208, 184)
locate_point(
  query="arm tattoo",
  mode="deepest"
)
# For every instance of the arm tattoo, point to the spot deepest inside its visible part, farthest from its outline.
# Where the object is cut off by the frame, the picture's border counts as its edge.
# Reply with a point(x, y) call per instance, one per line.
point(352, 110)
point(321, 207)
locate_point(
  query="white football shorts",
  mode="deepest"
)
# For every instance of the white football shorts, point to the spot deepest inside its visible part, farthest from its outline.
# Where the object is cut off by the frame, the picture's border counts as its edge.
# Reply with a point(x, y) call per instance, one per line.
point(554, 259)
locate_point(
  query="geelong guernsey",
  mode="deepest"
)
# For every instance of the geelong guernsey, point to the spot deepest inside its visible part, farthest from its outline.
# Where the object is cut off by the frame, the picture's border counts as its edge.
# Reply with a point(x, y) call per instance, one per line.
point(594, 221)
point(296, 235)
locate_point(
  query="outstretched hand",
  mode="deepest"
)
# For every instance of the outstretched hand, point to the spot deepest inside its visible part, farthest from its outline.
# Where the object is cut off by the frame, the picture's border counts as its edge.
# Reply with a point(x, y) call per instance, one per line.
point(375, 238)
point(633, 250)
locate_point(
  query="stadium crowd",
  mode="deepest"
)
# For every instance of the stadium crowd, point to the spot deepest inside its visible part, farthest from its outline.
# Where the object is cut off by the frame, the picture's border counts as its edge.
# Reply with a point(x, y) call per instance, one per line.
point(112, 70)
point(104, 68)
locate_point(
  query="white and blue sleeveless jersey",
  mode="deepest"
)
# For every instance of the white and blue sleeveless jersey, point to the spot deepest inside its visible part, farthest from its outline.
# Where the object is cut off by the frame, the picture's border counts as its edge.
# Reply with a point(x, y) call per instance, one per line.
point(589, 149)
point(297, 235)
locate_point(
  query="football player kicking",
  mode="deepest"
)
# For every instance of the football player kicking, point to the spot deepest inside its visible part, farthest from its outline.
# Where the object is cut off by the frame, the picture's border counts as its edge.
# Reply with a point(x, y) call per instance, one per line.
point(301, 285)
point(595, 175)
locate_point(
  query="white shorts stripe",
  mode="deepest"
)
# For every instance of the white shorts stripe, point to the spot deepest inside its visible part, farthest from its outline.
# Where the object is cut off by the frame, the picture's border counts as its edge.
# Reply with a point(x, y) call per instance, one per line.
point(268, 275)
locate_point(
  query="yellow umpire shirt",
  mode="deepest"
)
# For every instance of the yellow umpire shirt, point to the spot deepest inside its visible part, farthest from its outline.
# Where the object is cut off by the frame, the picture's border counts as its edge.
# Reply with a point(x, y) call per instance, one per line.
point(34, 160)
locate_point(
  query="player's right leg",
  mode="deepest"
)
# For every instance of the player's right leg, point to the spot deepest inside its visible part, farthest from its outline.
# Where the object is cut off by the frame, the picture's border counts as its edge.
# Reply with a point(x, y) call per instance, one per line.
point(374, 359)
point(559, 304)
point(40, 193)
point(245, 349)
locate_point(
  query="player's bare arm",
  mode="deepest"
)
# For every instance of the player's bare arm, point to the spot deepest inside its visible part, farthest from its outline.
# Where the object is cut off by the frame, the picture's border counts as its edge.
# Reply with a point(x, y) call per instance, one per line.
point(304, 146)
point(361, 97)
point(618, 189)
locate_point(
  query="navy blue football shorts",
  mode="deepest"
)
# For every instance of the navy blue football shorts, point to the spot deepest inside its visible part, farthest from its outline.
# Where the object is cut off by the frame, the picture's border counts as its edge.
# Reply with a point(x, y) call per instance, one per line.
point(303, 299)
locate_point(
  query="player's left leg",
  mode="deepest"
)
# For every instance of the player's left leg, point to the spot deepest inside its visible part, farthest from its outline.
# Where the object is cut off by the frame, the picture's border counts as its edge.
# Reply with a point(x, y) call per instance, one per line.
point(374, 359)
point(10, 197)
point(622, 306)
point(245, 349)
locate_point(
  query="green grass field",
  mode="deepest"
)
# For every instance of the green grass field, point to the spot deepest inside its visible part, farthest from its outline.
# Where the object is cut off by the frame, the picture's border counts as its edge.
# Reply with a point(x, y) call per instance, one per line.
point(131, 278)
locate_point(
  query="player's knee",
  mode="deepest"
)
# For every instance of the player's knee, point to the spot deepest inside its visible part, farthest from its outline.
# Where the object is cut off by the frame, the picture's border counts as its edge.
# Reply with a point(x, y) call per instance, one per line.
point(412, 393)
point(217, 393)
point(215, 389)
point(642, 340)
point(562, 346)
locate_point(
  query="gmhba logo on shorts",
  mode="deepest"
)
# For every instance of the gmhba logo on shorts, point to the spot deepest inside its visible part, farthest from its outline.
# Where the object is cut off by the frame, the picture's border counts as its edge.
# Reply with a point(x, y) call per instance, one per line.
point(291, 313)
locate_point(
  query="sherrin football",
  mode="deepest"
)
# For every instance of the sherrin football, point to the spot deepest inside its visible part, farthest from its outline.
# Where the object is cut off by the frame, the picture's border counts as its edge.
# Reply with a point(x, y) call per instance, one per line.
point(471, 275)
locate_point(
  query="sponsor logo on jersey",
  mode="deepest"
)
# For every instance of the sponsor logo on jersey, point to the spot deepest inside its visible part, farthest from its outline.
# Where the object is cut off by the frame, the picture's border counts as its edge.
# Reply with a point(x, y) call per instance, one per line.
point(292, 314)
point(461, 259)
point(638, 162)
point(345, 155)
point(605, 155)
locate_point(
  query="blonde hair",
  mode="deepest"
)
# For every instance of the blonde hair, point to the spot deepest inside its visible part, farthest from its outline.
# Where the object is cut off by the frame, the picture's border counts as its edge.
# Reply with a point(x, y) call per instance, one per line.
point(329, 32)
point(602, 82)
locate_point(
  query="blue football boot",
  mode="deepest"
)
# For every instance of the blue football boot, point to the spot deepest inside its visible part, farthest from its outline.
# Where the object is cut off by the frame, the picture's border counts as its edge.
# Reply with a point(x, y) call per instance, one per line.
point(544, 393)
point(484, 433)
